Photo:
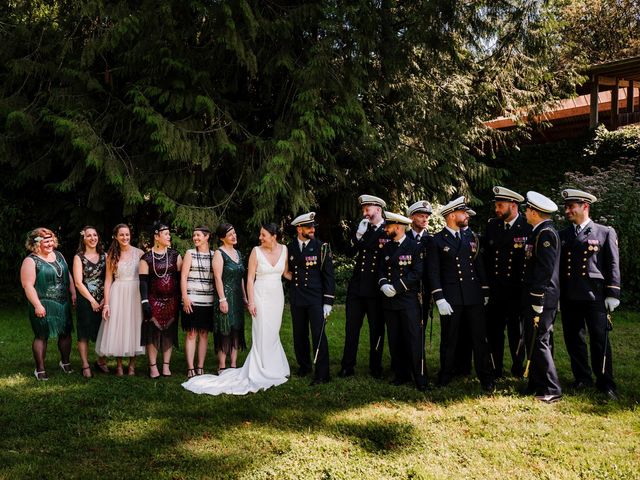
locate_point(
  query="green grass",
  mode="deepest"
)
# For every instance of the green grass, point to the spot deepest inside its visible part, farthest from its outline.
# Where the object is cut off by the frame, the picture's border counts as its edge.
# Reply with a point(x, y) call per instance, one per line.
point(110, 427)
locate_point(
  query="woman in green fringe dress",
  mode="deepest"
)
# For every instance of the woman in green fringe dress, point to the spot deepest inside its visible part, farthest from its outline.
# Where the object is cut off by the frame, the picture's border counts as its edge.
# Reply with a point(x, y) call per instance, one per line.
point(49, 288)
point(231, 298)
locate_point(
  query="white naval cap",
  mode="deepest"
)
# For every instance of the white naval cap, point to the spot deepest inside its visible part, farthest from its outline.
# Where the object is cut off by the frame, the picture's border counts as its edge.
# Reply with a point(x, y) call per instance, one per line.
point(573, 195)
point(305, 220)
point(453, 205)
point(391, 218)
point(371, 200)
point(471, 213)
point(505, 195)
point(541, 203)
point(421, 206)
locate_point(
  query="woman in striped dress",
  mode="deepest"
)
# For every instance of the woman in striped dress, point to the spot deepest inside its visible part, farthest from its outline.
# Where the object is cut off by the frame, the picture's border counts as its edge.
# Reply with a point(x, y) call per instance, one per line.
point(197, 299)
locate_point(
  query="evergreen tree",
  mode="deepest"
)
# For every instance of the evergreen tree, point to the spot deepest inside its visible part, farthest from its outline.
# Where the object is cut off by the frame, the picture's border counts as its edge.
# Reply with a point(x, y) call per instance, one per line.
point(252, 111)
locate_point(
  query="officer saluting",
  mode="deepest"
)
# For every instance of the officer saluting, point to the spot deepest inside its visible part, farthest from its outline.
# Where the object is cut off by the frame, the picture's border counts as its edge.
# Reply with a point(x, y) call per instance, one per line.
point(503, 251)
point(589, 289)
point(311, 295)
point(363, 295)
point(400, 272)
point(458, 285)
point(540, 294)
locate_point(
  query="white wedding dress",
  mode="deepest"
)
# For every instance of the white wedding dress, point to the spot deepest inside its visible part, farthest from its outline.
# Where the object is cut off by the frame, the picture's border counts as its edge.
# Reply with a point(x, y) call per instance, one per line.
point(266, 365)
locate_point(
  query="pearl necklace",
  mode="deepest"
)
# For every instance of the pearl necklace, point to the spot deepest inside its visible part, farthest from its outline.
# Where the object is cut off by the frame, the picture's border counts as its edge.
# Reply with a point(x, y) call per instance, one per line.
point(51, 264)
point(160, 257)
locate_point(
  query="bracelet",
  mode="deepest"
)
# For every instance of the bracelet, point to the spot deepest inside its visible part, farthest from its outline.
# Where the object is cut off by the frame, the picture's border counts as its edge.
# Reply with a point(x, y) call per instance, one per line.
point(223, 299)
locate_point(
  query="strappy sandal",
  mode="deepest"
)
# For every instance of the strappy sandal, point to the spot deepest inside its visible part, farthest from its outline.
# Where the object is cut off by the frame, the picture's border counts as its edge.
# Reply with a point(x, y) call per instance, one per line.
point(41, 376)
point(221, 370)
point(87, 369)
point(119, 371)
point(131, 371)
point(199, 371)
point(65, 367)
point(150, 376)
point(191, 372)
point(163, 374)
point(100, 367)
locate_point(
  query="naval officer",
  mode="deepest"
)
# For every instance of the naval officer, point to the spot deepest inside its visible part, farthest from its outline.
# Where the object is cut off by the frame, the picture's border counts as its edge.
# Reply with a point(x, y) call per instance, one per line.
point(503, 251)
point(311, 296)
point(459, 288)
point(363, 294)
point(540, 295)
point(589, 291)
point(400, 273)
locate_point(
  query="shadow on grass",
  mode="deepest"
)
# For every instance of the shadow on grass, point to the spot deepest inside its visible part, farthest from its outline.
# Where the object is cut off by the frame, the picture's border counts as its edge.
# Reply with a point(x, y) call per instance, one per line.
point(123, 427)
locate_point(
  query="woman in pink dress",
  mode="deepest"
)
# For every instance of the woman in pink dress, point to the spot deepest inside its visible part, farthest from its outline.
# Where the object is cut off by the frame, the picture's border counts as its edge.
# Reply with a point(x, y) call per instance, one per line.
point(119, 334)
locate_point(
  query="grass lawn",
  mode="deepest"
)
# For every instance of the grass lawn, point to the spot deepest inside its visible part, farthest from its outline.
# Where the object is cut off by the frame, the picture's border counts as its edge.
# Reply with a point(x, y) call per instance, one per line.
point(109, 427)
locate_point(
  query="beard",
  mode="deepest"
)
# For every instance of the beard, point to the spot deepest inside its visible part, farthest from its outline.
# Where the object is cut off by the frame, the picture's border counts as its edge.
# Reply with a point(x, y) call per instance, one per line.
point(503, 216)
point(308, 235)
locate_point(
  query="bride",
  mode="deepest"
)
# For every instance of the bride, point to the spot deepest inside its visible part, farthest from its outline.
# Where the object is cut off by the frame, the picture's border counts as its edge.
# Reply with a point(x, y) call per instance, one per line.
point(266, 364)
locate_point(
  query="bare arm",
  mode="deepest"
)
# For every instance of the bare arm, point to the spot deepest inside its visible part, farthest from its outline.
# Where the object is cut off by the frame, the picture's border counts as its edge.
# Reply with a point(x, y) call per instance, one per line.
point(218, 266)
point(108, 280)
point(72, 290)
point(286, 274)
point(251, 278)
point(28, 280)
point(80, 286)
point(184, 274)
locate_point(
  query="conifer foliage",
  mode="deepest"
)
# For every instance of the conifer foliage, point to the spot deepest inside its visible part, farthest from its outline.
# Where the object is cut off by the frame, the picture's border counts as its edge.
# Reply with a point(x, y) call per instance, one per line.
point(254, 110)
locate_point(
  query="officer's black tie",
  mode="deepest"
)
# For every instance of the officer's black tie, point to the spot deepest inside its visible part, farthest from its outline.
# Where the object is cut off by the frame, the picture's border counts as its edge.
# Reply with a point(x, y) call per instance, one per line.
point(578, 229)
point(507, 226)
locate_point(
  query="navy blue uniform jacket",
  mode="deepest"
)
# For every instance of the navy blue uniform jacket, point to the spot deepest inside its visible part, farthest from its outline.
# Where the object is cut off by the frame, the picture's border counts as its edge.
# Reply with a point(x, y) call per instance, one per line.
point(401, 266)
point(541, 283)
point(455, 270)
point(368, 250)
point(590, 265)
point(313, 282)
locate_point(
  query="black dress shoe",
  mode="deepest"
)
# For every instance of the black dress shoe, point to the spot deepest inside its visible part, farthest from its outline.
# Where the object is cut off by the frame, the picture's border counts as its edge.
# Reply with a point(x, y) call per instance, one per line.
point(489, 386)
point(423, 387)
point(303, 371)
point(610, 394)
point(548, 398)
point(377, 374)
point(346, 372)
point(319, 381)
point(582, 385)
point(398, 381)
point(443, 381)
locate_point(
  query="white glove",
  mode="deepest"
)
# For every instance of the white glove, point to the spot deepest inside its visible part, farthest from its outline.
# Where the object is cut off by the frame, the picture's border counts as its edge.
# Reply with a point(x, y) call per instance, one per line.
point(326, 310)
point(537, 308)
point(486, 300)
point(388, 290)
point(443, 307)
point(362, 227)
point(611, 303)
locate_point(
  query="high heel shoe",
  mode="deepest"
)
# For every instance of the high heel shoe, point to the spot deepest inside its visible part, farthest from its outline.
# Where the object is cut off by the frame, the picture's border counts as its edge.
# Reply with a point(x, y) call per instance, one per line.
point(165, 374)
point(100, 367)
point(87, 369)
point(65, 367)
point(199, 370)
point(151, 376)
point(191, 372)
point(41, 376)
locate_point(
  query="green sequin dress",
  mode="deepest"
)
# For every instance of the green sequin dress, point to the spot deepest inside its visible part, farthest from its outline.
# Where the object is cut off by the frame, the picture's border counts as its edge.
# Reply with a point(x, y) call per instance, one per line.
point(229, 327)
point(52, 286)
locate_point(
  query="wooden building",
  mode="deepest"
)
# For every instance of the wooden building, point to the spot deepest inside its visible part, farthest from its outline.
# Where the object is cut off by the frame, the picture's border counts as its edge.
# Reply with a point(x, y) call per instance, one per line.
point(610, 96)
